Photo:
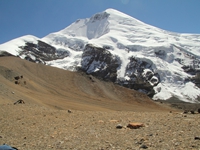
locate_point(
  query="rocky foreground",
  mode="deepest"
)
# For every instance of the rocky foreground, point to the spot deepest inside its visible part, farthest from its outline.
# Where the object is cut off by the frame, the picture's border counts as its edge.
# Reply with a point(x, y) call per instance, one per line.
point(31, 127)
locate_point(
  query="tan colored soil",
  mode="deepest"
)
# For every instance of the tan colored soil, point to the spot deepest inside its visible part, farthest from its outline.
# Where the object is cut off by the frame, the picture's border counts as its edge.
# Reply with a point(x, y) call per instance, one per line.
point(97, 107)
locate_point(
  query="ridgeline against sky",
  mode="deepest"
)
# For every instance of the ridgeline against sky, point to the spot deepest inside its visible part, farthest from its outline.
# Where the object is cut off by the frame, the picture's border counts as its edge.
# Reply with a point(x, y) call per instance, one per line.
point(22, 17)
point(117, 47)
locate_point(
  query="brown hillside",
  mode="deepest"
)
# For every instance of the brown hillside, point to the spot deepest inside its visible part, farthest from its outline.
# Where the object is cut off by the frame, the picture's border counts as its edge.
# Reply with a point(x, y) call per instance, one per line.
point(40, 124)
point(61, 89)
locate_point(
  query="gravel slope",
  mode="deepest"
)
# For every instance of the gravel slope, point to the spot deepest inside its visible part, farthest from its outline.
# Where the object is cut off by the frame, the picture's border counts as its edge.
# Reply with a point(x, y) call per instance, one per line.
point(30, 127)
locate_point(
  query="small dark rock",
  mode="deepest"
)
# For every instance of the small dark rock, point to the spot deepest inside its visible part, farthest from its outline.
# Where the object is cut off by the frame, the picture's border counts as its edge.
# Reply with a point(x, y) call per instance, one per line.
point(150, 134)
point(69, 111)
point(140, 142)
point(20, 101)
point(91, 78)
point(17, 82)
point(198, 110)
point(197, 138)
point(193, 146)
point(192, 112)
point(119, 126)
point(144, 146)
point(17, 77)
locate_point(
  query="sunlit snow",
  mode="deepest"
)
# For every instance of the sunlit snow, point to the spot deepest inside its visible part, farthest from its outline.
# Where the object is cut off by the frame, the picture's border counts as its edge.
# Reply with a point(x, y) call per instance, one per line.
point(126, 36)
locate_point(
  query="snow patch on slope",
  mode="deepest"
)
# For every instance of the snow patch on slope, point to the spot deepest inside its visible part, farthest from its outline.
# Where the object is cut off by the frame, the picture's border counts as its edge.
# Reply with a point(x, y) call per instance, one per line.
point(13, 46)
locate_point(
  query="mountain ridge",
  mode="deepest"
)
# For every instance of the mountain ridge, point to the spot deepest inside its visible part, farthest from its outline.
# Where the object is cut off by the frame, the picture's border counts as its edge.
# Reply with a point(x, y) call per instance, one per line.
point(117, 47)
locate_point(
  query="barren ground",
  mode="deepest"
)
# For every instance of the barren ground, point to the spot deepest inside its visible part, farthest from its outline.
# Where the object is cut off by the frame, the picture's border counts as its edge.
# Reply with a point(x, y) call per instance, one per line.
point(97, 107)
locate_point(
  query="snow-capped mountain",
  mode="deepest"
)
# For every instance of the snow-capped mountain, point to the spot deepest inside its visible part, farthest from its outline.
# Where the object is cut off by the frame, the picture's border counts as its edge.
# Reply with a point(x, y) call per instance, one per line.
point(119, 48)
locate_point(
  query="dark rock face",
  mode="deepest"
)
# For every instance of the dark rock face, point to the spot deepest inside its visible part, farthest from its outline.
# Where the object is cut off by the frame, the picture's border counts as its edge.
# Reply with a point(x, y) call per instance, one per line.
point(191, 68)
point(142, 76)
point(99, 16)
point(195, 72)
point(41, 52)
point(196, 78)
point(100, 63)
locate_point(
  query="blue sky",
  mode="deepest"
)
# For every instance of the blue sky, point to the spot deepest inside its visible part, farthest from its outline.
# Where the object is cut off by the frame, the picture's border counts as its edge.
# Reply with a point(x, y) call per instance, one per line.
point(41, 17)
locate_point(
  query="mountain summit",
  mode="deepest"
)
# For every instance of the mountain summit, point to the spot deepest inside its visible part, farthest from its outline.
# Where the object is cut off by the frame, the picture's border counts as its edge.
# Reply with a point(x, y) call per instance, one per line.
point(98, 25)
point(116, 47)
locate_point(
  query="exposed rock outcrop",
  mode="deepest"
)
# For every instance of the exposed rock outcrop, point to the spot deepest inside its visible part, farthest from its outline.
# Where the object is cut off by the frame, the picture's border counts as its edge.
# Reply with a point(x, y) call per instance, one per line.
point(41, 52)
point(100, 63)
point(140, 76)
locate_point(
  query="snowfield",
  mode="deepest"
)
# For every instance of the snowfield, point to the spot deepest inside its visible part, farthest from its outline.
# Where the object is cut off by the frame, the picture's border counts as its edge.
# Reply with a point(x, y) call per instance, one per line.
point(165, 53)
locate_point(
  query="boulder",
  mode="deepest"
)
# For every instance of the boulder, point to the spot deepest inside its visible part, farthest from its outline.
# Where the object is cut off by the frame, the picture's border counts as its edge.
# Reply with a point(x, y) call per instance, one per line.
point(20, 101)
point(135, 125)
point(119, 126)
